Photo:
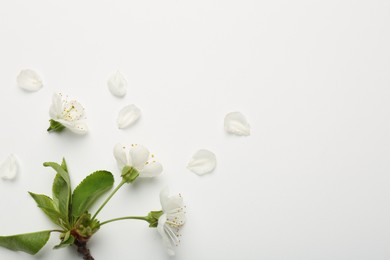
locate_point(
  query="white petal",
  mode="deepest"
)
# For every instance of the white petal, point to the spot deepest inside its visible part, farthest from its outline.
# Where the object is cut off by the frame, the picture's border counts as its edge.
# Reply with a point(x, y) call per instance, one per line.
point(29, 80)
point(164, 197)
point(78, 127)
point(161, 228)
point(117, 84)
point(55, 111)
point(127, 116)
point(173, 206)
point(203, 161)
point(9, 167)
point(138, 155)
point(236, 123)
point(120, 155)
point(152, 169)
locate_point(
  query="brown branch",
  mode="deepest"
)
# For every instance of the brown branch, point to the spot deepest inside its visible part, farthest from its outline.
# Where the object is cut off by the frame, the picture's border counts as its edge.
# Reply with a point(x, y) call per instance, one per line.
point(81, 243)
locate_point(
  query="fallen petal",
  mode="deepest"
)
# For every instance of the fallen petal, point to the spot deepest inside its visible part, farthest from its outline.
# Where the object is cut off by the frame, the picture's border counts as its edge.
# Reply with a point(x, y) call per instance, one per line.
point(29, 80)
point(203, 161)
point(9, 168)
point(117, 84)
point(127, 116)
point(236, 123)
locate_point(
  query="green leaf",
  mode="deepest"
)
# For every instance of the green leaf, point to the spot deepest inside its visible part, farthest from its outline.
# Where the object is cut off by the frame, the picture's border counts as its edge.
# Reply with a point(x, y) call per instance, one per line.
point(60, 170)
point(61, 189)
point(47, 206)
point(89, 190)
point(63, 165)
point(30, 243)
point(61, 196)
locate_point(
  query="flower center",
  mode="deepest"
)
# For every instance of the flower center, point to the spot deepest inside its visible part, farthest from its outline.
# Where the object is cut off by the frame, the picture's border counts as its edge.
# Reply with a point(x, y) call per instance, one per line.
point(72, 111)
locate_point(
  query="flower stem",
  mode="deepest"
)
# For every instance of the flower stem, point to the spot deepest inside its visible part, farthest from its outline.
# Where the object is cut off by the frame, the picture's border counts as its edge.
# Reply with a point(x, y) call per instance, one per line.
point(123, 218)
point(108, 198)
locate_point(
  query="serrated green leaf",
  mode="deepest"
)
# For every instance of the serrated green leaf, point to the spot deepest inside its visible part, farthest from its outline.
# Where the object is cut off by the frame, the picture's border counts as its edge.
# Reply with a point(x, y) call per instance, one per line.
point(47, 206)
point(30, 243)
point(89, 190)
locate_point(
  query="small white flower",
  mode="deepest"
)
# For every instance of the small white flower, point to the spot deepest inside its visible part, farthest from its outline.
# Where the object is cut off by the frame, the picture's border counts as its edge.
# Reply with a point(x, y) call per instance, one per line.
point(203, 161)
point(29, 80)
point(171, 220)
point(138, 157)
point(117, 84)
point(236, 123)
point(127, 116)
point(69, 114)
point(9, 168)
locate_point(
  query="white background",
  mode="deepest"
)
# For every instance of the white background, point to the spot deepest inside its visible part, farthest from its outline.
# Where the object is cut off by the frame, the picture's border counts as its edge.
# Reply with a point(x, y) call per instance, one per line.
point(312, 77)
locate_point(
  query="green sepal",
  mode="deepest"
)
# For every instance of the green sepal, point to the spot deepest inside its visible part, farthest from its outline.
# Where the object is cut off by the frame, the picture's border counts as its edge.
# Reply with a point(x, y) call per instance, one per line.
point(153, 217)
point(66, 240)
point(89, 190)
point(30, 243)
point(55, 126)
point(129, 174)
point(47, 205)
point(85, 226)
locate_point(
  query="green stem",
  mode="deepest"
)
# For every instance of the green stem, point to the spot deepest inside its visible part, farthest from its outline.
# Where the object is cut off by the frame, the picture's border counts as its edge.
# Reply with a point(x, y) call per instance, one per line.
point(109, 197)
point(123, 218)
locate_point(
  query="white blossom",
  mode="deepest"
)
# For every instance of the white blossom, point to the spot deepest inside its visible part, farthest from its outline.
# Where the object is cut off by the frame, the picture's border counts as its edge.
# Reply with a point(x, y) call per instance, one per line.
point(172, 219)
point(69, 114)
point(138, 157)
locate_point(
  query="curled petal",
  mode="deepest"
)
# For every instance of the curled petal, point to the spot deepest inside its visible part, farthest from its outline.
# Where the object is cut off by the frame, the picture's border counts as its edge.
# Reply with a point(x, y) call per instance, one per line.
point(9, 167)
point(169, 203)
point(117, 84)
point(127, 116)
point(120, 155)
point(138, 155)
point(236, 123)
point(203, 161)
point(78, 127)
point(152, 169)
point(29, 80)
